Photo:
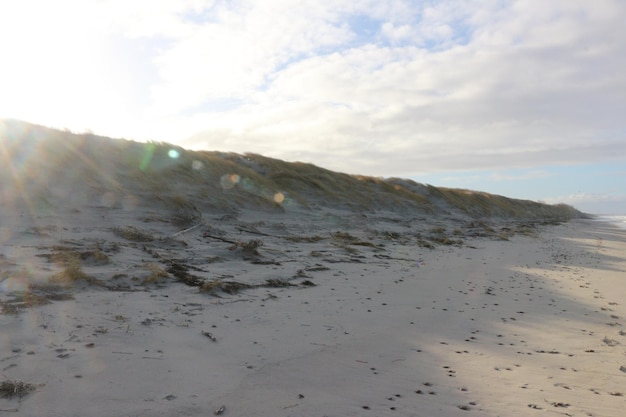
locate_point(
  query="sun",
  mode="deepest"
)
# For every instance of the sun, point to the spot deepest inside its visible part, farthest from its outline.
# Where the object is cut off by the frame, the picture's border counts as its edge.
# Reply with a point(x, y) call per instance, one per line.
point(58, 70)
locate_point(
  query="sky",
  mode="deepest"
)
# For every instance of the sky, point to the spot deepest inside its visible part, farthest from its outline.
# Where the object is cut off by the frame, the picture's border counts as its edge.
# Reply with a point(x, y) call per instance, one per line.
point(521, 98)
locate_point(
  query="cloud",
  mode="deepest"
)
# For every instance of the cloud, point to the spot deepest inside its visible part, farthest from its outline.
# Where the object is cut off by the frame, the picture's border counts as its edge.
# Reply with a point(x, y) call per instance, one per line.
point(375, 87)
point(596, 203)
point(513, 86)
point(524, 176)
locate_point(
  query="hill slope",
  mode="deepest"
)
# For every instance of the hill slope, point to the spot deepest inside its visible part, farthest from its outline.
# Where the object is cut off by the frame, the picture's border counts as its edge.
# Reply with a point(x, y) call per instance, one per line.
point(48, 168)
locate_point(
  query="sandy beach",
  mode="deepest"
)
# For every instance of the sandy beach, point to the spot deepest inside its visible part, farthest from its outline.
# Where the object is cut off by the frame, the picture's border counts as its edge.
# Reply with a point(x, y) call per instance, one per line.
point(145, 280)
point(334, 321)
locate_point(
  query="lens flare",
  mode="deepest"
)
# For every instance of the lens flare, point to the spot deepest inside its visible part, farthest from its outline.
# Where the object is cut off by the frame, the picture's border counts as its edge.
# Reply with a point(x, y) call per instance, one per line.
point(279, 198)
point(173, 153)
point(147, 157)
point(14, 284)
point(228, 181)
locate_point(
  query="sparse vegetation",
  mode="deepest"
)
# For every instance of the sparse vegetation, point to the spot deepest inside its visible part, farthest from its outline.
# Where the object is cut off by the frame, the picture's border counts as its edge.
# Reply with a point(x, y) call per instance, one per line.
point(444, 240)
point(72, 271)
point(307, 239)
point(183, 211)
point(345, 241)
point(229, 287)
point(133, 234)
point(235, 181)
point(480, 204)
point(10, 388)
point(157, 274)
point(38, 295)
point(277, 283)
point(250, 247)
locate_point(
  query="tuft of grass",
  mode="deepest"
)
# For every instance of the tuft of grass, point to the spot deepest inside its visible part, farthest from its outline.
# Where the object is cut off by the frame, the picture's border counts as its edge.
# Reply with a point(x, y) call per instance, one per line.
point(425, 244)
point(183, 212)
point(157, 274)
point(229, 287)
point(344, 236)
point(251, 246)
point(444, 240)
point(346, 247)
point(94, 257)
point(40, 294)
point(10, 388)
point(133, 234)
point(72, 260)
point(277, 283)
point(248, 248)
point(72, 273)
point(306, 239)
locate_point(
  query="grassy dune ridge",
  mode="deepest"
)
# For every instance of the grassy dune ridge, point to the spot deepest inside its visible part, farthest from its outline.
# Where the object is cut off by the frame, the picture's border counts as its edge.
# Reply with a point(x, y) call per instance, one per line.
point(42, 163)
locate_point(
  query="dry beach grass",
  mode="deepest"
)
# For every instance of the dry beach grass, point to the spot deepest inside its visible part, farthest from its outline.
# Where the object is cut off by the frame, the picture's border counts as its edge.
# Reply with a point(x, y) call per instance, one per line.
point(136, 281)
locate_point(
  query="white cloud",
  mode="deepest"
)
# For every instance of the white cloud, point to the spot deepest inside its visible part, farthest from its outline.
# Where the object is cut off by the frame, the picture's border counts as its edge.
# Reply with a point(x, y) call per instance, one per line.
point(426, 86)
point(595, 203)
point(524, 176)
point(235, 55)
point(528, 85)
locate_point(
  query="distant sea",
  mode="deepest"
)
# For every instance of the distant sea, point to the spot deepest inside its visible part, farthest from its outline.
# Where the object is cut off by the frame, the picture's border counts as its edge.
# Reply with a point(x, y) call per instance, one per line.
point(616, 219)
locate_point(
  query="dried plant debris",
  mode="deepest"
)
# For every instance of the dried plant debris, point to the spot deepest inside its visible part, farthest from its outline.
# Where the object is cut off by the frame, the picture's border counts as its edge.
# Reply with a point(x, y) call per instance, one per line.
point(228, 287)
point(181, 273)
point(72, 263)
point(22, 301)
point(277, 283)
point(210, 336)
point(306, 239)
point(249, 248)
point(10, 388)
point(157, 274)
point(133, 234)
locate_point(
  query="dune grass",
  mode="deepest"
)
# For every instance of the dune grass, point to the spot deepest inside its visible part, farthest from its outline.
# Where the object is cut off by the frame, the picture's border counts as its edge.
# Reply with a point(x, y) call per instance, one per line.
point(133, 234)
point(189, 183)
point(480, 204)
point(71, 261)
point(10, 388)
point(157, 274)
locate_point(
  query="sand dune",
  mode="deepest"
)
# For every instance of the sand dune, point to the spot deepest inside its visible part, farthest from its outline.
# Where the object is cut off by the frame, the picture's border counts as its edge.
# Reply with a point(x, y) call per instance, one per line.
point(200, 283)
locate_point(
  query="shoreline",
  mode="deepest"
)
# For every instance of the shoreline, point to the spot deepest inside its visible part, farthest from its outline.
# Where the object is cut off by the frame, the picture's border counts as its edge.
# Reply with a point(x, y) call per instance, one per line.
point(495, 327)
point(618, 220)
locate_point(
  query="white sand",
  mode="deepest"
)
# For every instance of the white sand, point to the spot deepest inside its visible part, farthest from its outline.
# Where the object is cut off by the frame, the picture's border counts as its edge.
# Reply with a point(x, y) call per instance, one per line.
point(492, 328)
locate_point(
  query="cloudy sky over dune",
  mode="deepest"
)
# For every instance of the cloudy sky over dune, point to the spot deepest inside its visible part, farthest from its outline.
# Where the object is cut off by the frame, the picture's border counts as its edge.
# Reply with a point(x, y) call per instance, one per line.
point(523, 98)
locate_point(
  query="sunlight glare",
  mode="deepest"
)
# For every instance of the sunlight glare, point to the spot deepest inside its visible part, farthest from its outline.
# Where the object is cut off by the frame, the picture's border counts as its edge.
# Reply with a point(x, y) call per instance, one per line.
point(228, 181)
point(279, 197)
point(59, 67)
